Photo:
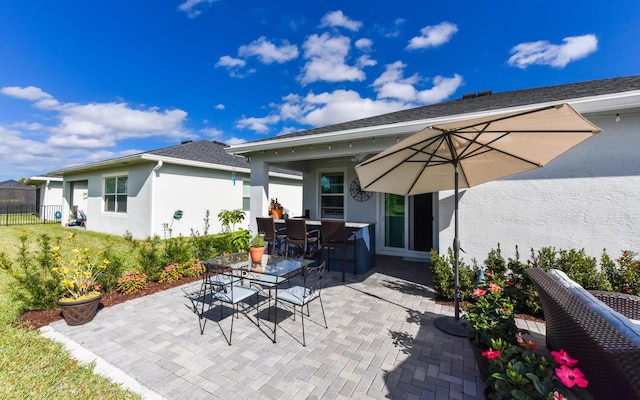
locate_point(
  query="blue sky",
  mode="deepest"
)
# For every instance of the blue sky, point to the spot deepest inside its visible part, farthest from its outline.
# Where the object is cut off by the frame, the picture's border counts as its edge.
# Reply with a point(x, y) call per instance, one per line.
point(82, 81)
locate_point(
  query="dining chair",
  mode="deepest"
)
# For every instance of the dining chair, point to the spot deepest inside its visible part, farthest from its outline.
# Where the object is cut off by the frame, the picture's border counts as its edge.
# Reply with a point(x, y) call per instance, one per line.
point(273, 236)
point(212, 280)
point(300, 296)
point(232, 294)
point(334, 234)
point(305, 243)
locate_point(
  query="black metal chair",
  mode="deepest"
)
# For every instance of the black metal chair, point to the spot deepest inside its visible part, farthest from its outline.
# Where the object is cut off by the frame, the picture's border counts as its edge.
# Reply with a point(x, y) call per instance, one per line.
point(305, 243)
point(273, 236)
point(334, 234)
point(300, 296)
point(232, 294)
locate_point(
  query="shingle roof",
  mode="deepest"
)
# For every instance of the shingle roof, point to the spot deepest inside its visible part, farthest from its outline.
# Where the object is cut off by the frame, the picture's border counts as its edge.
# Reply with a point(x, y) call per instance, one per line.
point(493, 101)
point(202, 151)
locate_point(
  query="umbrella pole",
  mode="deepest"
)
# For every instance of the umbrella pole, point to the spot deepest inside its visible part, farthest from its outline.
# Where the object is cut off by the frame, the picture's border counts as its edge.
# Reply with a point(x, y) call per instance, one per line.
point(453, 325)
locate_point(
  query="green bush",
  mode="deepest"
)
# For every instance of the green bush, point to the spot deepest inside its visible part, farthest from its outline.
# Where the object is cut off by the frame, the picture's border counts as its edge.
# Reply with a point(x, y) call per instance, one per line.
point(443, 268)
point(624, 274)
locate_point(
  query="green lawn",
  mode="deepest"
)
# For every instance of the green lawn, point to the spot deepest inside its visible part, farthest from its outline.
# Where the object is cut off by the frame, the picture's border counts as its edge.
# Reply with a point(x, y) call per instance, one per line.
point(35, 367)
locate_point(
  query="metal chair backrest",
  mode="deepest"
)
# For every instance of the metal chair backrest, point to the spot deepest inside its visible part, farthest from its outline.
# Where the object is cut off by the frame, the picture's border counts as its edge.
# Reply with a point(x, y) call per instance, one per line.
point(333, 231)
point(266, 226)
point(296, 229)
point(313, 279)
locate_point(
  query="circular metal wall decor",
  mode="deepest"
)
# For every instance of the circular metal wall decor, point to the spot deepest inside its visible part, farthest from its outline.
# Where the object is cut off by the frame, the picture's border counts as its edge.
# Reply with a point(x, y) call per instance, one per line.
point(357, 193)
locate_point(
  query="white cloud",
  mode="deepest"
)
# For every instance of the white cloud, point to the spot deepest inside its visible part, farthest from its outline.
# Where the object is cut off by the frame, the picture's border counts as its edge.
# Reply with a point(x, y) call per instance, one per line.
point(211, 132)
point(26, 93)
point(433, 36)
point(230, 62)
point(99, 125)
point(544, 53)
point(219, 106)
point(327, 57)
point(188, 7)
point(338, 19)
point(364, 44)
point(259, 125)
point(235, 140)
point(393, 85)
point(268, 52)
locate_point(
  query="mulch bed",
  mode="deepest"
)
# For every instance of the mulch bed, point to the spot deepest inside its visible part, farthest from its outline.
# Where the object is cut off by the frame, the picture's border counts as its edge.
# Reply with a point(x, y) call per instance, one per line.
point(38, 319)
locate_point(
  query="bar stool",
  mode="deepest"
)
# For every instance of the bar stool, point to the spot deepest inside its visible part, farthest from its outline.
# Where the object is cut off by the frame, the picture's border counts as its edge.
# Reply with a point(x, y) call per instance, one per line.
point(305, 242)
point(334, 235)
point(267, 226)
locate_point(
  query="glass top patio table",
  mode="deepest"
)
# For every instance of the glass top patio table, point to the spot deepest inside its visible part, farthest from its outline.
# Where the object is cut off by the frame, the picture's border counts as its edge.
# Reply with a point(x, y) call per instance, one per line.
point(272, 270)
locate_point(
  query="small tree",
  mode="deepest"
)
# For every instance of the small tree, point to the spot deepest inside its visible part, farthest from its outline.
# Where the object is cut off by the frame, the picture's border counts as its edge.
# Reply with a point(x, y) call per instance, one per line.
point(229, 219)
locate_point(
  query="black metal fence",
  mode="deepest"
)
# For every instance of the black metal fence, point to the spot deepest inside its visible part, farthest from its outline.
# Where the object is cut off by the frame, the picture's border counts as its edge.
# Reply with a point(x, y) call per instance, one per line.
point(29, 214)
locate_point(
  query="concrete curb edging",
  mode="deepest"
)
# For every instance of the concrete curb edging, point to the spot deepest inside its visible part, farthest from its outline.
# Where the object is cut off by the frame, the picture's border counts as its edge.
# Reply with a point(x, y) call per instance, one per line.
point(102, 366)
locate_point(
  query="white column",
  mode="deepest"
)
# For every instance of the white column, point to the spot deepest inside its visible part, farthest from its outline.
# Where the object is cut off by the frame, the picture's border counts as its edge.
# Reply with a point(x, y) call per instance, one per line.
point(259, 192)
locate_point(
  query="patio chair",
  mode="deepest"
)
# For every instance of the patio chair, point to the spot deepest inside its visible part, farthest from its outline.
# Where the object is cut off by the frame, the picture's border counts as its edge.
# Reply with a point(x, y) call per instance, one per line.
point(334, 234)
point(213, 281)
point(232, 294)
point(300, 296)
point(273, 236)
point(305, 243)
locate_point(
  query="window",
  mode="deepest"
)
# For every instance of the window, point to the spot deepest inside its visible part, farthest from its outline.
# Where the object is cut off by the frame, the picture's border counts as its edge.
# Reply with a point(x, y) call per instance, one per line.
point(246, 196)
point(115, 194)
point(332, 195)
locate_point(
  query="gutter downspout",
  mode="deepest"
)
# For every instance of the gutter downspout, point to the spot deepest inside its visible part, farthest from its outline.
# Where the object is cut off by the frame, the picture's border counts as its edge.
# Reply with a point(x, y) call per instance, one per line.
point(156, 174)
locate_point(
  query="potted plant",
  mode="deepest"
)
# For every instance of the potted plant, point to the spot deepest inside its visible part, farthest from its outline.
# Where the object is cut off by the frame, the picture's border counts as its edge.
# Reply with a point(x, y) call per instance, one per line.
point(256, 247)
point(275, 209)
point(78, 276)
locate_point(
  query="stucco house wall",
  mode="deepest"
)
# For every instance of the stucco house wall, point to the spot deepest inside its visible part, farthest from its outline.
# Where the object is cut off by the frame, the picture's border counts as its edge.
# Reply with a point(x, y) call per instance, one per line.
point(586, 198)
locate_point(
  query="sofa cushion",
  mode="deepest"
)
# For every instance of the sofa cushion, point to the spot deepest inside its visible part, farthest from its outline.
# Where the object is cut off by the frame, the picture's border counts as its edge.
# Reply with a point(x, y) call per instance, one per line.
point(629, 329)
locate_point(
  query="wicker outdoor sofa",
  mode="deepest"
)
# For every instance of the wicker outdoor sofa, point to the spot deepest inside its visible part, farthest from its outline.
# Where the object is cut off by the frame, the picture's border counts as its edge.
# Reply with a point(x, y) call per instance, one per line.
point(596, 328)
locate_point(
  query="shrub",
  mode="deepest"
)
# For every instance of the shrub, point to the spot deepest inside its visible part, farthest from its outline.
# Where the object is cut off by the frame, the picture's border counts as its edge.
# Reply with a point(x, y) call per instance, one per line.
point(624, 274)
point(132, 282)
point(443, 268)
point(171, 273)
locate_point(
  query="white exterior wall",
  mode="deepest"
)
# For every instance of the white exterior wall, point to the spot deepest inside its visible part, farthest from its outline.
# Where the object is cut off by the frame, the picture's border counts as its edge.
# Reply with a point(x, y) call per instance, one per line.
point(51, 193)
point(586, 198)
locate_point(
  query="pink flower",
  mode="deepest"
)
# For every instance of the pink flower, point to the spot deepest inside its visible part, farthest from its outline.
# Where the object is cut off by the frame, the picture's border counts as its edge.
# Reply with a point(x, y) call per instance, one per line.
point(494, 288)
point(570, 377)
point(487, 273)
point(491, 354)
point(562, 358)
point(97, 288)
point(479, 292)
point(558, 396)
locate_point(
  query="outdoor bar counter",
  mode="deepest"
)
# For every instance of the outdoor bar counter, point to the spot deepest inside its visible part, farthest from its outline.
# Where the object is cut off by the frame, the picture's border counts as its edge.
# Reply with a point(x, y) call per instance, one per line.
point(365, 246)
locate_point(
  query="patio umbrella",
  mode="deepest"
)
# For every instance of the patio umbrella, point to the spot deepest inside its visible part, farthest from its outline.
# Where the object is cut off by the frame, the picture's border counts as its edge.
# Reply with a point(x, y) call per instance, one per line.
point(470, 152)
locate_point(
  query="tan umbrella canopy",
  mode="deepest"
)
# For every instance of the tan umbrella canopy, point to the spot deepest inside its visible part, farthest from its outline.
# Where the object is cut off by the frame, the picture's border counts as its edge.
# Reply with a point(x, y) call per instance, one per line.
point(470, 152)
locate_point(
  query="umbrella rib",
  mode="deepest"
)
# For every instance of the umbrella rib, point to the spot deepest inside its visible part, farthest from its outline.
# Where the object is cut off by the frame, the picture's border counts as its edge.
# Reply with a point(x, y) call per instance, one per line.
point(428, 162)
point(486, 147)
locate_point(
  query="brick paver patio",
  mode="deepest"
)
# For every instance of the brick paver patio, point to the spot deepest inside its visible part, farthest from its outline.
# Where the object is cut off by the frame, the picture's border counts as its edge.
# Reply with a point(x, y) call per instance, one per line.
point(381, 344)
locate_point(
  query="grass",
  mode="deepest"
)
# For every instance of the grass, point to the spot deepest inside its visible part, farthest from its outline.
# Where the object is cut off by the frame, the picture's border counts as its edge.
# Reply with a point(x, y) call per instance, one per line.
point(32, 366)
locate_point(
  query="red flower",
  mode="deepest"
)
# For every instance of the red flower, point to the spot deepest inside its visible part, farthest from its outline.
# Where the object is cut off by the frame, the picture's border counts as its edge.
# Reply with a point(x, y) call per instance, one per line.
point(491, 354)
point(487, 273)
point(562, 358)
point(510, 283)
point(529, 345)
point(494, 288)
point(570, 377)
point(479, 292)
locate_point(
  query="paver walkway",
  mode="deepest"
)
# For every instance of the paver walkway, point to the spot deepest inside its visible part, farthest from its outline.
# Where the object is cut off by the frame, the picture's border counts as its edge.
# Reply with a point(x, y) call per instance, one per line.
point(381, 344)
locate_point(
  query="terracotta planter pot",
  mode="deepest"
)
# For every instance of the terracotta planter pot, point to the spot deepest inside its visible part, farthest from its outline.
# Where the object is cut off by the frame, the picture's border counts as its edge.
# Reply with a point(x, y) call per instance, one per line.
point(276, 214)
point(81, 311)
point(256, 253)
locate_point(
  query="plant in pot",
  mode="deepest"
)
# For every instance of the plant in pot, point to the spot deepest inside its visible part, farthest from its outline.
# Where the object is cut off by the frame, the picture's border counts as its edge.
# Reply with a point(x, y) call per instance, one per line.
point(275, 209)
point(78, 274)
point(256, 247)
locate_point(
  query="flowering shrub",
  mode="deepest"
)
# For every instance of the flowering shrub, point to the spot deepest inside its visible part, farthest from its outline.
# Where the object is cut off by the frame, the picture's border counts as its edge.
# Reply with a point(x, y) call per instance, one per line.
point(624, 274)
point(519, 372)
point(491, 317)
point(175, 271)
point(78, 272)
point(131, 282)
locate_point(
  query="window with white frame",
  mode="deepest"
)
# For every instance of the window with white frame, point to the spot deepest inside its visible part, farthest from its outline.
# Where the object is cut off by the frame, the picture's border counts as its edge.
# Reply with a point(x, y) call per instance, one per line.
point(115, 194)
point(332, 195)
point(246, 196)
